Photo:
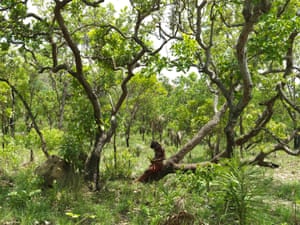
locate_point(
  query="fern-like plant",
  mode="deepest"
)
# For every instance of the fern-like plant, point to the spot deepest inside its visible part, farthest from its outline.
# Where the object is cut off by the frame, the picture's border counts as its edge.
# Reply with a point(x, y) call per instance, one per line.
point(240, 190)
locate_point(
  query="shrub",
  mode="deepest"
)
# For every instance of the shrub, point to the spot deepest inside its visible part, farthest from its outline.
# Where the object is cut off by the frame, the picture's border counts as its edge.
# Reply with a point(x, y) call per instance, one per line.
point(72, 150)
point(119, 165)
point(238, 194)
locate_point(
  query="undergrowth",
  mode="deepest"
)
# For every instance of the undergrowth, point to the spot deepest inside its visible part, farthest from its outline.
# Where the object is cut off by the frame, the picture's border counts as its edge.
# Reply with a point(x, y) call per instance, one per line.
point(226, 193)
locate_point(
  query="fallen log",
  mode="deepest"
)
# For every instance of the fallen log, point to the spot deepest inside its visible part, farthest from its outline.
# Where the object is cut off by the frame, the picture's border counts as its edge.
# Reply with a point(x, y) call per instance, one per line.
point(160, 167)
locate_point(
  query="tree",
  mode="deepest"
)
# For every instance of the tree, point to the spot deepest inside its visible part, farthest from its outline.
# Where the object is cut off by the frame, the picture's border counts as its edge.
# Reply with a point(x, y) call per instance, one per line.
point(234, 73)
point(67, 38)
point(243, 54)
point(19, 85)
point(232, 46)
point(144, 96)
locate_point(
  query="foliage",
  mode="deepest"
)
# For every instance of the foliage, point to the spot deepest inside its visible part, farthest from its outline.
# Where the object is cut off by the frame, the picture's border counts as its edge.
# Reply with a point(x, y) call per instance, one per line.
point(185, 53)
point(73, 151)
point(26, 190)
point(70, 77)
point(122, 167)
point(211, 195)
point(232, 193)
point(53, 137)
point(241, 192)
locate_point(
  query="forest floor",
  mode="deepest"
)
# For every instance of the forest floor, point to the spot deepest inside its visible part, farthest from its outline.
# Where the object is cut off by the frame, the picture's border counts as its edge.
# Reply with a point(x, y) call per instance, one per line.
point(289, 170)
point(123, 201)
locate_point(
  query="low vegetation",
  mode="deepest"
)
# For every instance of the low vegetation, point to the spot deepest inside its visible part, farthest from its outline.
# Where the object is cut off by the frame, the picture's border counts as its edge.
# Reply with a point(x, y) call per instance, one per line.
point(224, 193)
point(87, 85)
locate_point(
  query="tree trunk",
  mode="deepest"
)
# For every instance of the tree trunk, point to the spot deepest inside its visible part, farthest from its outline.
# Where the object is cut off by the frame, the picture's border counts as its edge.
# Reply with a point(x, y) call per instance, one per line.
point(30, 114)
point(297, 141)
point(92, 164)
point(157, 169)
point(143, 134)
point(115, 152)
point(12, 117)
point(127, 134)
point(92, 172)
point(216, 149)
point(251, 17)
point(230, 138)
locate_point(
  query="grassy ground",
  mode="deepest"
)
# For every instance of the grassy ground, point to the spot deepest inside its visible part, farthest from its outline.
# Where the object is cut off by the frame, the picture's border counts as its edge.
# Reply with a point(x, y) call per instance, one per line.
point(258, 196)
point(285, 188)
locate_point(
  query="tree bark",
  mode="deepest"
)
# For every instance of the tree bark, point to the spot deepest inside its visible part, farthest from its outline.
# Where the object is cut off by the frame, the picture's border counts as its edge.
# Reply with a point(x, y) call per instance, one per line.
point(251, 13)
point(127, 135)
point(206, 129)
point(92, 170)
point(172, 164)
point(12, 117)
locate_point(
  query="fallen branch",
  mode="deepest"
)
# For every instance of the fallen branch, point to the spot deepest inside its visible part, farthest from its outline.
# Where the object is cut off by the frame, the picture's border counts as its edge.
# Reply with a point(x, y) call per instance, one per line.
point(203, 132)
point(160, 167)
point(282, 145)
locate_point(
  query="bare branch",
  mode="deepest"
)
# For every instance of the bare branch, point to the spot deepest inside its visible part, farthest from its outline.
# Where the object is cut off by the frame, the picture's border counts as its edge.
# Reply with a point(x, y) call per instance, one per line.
point(199, 25)
point(282, 145)
point(34, 16)
point(287, 100)
point(93, 4)
point(272, 71)
point(58, 68)
point(227, 24)
point(281, 9)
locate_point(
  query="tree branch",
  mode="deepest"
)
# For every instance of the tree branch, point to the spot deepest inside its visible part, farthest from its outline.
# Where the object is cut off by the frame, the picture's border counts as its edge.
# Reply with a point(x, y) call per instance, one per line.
point(260, 122)
point(205, 130)
point(282, 145)
point(27, 107)
point(287, 100)
point(93, 4)
point(78, 61)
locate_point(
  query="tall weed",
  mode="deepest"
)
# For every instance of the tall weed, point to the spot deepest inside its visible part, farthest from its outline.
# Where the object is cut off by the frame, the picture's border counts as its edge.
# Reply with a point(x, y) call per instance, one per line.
point(239, 194)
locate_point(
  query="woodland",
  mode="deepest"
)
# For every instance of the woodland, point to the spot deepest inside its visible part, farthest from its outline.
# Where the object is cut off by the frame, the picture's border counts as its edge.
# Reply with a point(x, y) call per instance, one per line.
point(153, 112)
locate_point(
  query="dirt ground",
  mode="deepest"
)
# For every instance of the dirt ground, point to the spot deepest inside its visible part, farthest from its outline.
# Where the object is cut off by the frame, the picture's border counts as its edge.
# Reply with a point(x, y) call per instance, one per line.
point(289, 170)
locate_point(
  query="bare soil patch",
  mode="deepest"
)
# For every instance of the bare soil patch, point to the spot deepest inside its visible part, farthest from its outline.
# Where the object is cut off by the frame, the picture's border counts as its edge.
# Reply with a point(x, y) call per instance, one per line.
point(289, 170)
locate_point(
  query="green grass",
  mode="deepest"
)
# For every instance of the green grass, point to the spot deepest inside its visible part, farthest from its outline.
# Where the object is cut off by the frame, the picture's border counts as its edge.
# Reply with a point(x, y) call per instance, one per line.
point(206, 195)
point(288, 191)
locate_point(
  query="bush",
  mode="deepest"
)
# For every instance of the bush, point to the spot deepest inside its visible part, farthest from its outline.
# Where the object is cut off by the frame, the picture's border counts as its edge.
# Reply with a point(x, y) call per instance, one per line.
point(119, 165)
point(226, 193)
point(239, 194)
point(53, 138)
point(72, 150)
